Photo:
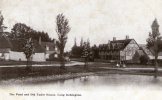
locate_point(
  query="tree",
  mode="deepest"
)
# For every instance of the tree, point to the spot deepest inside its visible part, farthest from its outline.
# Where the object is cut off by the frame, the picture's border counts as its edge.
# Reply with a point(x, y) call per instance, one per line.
point(1, 22)
point(81, 42)
point(62, 29)
point(85, 53)
point(28, 51)
point(21, 30)
point(2, 27)
point(153, 42)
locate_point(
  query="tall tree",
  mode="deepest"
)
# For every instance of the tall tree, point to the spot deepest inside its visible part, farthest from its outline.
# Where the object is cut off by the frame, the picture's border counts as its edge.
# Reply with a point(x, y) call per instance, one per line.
point(28, 51)
point(2, 27)
point(1, 22)
point(153, 43)
point(62, 29)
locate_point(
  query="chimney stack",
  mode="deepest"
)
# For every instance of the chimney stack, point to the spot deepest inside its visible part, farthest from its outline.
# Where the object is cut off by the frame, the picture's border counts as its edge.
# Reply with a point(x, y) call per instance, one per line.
point(114, 38)
point(108, 41)
point(127, 37)
point(40, 40)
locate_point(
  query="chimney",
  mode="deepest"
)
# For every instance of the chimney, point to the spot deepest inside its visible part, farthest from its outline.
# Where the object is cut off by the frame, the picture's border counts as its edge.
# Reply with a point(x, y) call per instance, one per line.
point(114, 38)
point(127, 37)
point(40, 40)
point(108, 41)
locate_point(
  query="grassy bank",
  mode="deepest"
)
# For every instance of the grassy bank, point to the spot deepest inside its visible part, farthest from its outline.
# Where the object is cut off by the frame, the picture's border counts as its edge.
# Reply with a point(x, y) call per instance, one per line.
point(24, 62)
point(95, 67)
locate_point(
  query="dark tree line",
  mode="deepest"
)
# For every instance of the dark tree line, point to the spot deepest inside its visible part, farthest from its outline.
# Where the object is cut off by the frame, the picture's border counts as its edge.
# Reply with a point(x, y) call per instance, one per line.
point(21, 30)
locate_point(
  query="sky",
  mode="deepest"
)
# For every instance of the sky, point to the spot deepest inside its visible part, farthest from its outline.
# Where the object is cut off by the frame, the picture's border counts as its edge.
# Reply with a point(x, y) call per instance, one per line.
point(98, 20)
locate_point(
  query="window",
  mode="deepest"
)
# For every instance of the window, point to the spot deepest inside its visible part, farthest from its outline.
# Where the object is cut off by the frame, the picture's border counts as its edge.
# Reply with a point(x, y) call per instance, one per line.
point(47, 48)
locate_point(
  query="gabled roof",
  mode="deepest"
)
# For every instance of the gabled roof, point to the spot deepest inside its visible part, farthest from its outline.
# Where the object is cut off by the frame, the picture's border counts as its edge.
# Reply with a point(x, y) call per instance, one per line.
point(145, 49)
point(121, 43)
point(18, 45)
point(115, 45)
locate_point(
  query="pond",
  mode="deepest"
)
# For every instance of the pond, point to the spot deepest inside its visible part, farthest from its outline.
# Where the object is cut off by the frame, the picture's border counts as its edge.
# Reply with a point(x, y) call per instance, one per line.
point(103, 87)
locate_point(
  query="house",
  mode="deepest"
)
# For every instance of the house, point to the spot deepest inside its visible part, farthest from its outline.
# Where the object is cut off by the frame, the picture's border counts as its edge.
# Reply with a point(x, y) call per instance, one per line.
point(51, 50)
point(119, 50)
point(13, 50)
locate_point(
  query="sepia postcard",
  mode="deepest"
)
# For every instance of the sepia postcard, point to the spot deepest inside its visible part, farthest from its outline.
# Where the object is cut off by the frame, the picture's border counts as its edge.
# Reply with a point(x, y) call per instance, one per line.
point(80, 49)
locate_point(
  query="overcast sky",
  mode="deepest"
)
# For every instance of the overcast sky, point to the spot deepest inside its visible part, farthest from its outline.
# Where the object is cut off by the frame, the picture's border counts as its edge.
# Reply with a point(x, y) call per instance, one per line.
point(98, 20)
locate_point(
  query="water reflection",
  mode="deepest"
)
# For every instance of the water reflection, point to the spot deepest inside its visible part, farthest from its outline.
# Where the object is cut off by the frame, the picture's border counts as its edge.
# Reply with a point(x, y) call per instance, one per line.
point(112, 80)
point(99, 81)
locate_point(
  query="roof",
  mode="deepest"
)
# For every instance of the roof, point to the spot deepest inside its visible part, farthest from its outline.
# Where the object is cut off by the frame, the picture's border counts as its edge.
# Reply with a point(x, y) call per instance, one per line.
point(115, 45)
point(145, 49)
point(18, 44)
point(122, 43)
point(51, 45)
point(150, 52)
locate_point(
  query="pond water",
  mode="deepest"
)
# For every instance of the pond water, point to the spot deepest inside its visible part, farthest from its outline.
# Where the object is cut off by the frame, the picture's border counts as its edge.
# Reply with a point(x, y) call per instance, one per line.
point(97, 87)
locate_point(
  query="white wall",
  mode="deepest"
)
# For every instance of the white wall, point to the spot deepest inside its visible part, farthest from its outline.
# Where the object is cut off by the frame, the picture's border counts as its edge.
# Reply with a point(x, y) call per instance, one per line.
point(39, 57)
point(47, 56)
point(130, 50)
point(6, 56)
point(17, 56)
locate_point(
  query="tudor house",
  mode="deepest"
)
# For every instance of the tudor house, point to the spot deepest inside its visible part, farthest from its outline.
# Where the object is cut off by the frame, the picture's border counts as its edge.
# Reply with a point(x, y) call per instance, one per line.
point(118, 50)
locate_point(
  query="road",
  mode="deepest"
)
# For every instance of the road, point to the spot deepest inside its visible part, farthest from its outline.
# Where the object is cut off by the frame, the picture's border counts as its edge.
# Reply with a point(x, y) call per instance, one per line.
point(72, 63)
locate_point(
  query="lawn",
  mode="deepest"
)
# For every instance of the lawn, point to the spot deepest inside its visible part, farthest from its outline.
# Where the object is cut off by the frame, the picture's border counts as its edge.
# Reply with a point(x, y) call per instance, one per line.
point(24, 62)
point(93, 67)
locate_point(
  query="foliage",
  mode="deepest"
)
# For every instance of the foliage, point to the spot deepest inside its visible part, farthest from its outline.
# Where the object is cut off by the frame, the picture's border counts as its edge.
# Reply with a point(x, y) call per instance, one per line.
point(77, 51)
point(21, 30)
point(153, 42)
point(143, 59)
point(95, 51)
point(62, 29)
point(28, 48)
point(1, 20)
point(86, 53)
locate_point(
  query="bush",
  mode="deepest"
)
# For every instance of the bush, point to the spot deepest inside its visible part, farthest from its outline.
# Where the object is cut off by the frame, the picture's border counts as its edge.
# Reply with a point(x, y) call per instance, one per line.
point(143, 59)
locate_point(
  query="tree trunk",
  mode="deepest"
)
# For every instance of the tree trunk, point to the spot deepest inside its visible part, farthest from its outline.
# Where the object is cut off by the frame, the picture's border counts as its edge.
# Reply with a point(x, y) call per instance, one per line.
point(28, 65)
point(86, 63)
point(156, 58)
point(156, 67)
point(62, 63)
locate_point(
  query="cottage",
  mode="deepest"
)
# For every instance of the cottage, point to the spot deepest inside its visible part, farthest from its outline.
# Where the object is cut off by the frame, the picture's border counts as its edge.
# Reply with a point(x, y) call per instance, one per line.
point(13, 50)
point(51, 50)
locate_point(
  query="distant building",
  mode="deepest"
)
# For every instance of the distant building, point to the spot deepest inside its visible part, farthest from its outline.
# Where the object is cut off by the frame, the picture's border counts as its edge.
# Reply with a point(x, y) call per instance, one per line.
point(51, 50)
point(119, 50)
point(13, 50)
